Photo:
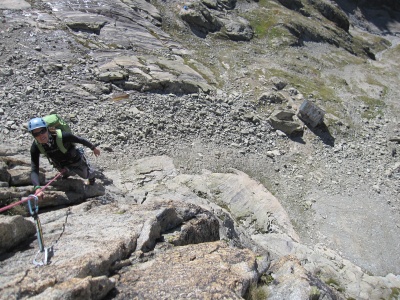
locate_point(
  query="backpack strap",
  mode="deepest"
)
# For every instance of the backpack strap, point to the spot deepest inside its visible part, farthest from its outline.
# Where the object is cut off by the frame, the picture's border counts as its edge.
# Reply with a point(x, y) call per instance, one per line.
point(59, 143)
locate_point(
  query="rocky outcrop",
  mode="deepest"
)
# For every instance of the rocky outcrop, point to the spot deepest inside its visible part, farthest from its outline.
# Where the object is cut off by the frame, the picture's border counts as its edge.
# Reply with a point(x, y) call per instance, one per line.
point(151, 73)
point(236, 28)
point(204, 18)
point(292, 4)
point(300, 30)
point(17, 4)
point(325, 8)
point(288, 271)
point(233, 272)
point(83, 254)
point(200, 19)
point(332, 13)
point(160, 233)
point(96, 34)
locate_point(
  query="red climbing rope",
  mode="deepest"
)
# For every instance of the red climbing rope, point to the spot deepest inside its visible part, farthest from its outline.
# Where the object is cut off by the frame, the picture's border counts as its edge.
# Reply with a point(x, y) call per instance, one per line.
point(31, 196)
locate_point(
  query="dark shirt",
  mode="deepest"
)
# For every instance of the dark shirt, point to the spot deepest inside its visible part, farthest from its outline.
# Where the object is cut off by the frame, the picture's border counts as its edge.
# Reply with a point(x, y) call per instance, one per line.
point(54, 154)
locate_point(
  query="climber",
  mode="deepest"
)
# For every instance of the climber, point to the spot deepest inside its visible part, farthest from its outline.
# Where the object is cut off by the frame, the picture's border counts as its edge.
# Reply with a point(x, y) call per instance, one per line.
point(58, 146)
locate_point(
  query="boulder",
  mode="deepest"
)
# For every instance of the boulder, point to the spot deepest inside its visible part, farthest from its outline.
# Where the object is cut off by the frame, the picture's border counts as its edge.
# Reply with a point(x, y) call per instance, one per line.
point(20, 175)
point(199, 18)
point(311, 114)
point(236, 28)
point(112, 76)
point(13, 231)
point(283, 120)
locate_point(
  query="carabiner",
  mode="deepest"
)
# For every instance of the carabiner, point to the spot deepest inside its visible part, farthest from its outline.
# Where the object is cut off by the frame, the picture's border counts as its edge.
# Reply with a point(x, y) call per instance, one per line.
point(35, 210)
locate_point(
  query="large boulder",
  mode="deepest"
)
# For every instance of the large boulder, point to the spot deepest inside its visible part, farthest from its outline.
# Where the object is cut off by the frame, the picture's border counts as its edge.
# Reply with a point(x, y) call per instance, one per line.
point(13, 231)
point(283, 120)
point(200, 19)
point(236, 28)
point(310, 113)
point(20, 175)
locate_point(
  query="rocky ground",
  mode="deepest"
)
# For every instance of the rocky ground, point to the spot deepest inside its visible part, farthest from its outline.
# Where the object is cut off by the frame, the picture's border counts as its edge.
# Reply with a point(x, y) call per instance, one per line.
point(338, 182)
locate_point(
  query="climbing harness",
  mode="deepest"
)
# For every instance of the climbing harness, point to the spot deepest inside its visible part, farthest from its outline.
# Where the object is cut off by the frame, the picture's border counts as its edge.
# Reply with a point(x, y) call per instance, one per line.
point(46, 253)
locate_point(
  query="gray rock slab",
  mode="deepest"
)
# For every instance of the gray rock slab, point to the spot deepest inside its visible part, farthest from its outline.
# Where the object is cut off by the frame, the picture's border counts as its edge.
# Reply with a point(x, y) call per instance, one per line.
point(88, 240)
point(187, 269)
point(14, 4)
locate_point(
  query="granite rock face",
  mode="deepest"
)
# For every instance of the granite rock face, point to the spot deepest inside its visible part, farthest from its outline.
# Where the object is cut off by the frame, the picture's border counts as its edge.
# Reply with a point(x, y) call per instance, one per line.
point(159, 233)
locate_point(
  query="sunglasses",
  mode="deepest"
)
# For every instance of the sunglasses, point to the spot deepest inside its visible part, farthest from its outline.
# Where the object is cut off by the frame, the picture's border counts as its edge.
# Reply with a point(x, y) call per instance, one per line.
point(36, 134)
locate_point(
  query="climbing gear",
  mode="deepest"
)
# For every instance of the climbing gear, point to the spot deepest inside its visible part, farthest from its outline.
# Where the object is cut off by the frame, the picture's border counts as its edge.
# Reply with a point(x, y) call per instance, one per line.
point(29, 197)
point(48, 252)
point(55, 121)
point(59, 142)
point(56, 126)
point(36, 123)
point(33, 210)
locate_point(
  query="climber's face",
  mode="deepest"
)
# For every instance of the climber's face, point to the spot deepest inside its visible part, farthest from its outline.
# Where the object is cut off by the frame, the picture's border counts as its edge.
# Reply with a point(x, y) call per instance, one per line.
point(41, 135)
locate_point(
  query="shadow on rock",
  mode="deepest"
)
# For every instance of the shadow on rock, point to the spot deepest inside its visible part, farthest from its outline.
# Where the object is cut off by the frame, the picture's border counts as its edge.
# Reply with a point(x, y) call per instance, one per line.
point(23, 246)
point(323, 133)
point(384, 14)
point(298, 138)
